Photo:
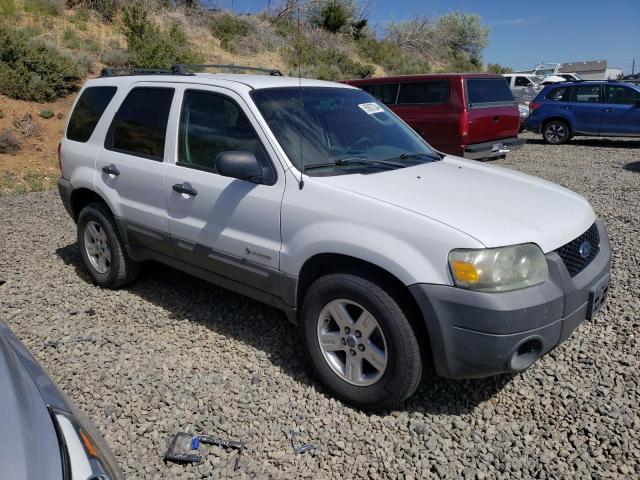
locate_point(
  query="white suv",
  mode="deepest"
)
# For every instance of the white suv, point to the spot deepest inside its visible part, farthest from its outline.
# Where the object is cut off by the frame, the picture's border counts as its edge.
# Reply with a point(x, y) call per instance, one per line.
point(315, 198)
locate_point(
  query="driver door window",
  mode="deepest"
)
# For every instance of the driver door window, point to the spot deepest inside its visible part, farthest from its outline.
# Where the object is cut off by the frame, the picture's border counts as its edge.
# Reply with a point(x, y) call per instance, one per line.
point(211, 124)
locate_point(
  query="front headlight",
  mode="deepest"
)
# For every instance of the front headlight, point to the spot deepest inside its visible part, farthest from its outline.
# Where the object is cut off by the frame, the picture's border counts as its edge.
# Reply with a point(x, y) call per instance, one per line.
point(498, 269)
point(85, 454)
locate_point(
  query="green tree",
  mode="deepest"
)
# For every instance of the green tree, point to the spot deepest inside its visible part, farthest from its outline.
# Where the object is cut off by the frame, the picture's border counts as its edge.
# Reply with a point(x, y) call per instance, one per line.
point(462, 36)
point(497, 68)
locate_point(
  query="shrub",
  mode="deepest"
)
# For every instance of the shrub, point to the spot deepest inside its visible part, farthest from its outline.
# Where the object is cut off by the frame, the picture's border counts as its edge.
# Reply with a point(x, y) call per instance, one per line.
point(33, 70)
point(332, 16)
point(392, 57)
point(34, 181)
point(27, 126)
point(323, 63)
point(115, 57)
point(227, 28)
point(150, 47)
point(497, 68)
point(46, 114)
point(45, 7)
point(71, 40)
point(8, 142)
point(107, 9)
point(8, 9)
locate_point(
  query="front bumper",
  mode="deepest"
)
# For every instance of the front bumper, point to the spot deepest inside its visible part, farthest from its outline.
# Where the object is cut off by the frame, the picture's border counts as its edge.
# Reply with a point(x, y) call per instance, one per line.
point(492, 149)
point(476, 334)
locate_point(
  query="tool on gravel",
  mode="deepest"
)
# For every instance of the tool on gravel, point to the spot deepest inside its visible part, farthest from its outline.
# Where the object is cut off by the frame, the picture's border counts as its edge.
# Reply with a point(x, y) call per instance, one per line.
point(303, 447)
point(182, 444)
point(56, 343)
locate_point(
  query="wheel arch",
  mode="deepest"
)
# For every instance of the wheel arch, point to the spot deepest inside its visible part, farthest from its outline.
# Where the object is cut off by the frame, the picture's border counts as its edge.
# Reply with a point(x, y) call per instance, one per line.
point(327, 263)
point(81, 197)
point(557, 118)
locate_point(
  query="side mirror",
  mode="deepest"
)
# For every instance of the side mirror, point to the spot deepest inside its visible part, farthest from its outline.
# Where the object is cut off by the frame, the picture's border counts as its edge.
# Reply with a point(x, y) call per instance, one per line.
point(239, 164)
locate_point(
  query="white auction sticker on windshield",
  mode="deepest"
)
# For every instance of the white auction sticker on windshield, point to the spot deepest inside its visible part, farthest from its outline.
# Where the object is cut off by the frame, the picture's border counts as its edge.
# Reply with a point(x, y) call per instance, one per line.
point(371, 108)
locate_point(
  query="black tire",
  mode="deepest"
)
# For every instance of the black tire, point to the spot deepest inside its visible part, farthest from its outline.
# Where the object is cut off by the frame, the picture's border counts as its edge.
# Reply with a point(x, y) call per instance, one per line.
point(556, 132)
point(403, 370)
point(121, 269)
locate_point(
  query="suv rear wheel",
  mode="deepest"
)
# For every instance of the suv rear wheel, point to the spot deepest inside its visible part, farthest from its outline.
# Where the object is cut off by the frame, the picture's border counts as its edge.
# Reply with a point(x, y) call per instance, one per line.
point(102, 250)
point(556, 132)
point(360, 341)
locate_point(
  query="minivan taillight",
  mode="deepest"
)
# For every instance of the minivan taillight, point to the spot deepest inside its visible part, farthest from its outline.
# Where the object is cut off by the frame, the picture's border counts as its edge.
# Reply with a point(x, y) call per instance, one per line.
point(533, 106)
point(60, 159)
point(464, 124)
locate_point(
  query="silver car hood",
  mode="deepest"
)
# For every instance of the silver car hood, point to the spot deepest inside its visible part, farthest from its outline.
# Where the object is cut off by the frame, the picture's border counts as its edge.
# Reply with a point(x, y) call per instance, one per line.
point(29, 448)
point(494, 205)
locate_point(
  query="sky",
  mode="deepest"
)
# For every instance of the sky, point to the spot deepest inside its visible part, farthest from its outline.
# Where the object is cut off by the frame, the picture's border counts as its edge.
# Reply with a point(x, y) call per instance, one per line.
point(524, 33)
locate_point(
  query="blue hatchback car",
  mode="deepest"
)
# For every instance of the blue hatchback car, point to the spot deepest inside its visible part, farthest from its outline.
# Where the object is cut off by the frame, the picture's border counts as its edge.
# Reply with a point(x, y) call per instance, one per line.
point(603, 108)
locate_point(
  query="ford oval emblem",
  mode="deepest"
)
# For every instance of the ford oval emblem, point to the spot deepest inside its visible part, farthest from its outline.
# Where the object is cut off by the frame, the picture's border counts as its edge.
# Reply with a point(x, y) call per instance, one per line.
point(585, 249)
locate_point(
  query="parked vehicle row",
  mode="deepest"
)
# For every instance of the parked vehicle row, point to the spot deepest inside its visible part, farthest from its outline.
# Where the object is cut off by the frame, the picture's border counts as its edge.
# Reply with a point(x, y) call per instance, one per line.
point(602, 108)
point(316, 198)
point(471, 115)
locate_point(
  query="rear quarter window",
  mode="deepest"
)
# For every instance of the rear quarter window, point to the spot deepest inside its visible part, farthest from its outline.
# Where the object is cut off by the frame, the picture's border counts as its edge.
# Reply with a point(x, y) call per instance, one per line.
point(86, 115)
point(488, 92)
point(559, 94)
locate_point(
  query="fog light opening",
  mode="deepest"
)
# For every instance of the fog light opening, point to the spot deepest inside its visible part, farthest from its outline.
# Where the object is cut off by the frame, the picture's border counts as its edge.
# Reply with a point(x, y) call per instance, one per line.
point(528, 352)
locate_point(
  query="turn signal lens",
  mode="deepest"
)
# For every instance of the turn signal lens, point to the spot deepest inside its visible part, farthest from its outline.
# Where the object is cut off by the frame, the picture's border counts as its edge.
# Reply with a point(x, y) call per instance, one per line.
point(464, 272)
point(498, 269)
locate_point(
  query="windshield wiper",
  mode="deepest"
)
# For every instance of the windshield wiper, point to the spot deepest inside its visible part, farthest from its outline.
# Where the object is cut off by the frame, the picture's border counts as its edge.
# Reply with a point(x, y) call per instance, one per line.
point(404, 156)
point(354, 161)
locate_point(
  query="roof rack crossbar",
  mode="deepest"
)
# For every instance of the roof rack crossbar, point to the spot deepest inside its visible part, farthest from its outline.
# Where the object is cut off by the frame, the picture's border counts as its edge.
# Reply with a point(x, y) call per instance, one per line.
point(185, 68)
point(111, 72)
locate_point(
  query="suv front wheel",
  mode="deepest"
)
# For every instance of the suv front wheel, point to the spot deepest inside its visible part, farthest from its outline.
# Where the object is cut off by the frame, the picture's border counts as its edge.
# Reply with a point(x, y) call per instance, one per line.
point(102, 250)
point(360, 342)
point(556, 132)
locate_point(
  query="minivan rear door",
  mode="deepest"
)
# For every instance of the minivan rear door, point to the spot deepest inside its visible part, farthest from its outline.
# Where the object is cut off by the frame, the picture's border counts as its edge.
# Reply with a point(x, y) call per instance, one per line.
point(491, 108)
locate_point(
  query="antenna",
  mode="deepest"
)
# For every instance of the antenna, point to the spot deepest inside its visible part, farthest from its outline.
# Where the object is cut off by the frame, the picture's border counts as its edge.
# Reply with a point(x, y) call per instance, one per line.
point(301, 181)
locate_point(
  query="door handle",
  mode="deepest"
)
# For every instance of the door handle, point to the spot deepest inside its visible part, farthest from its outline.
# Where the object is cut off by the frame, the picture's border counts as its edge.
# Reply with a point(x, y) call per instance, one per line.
point(111, 170)
point(496, 119)
point(182, 188)
point(568, 107)
point(608, 109)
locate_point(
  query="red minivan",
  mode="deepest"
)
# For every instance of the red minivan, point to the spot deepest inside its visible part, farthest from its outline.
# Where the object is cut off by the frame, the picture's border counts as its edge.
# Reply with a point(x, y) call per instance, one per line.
point(471, 115)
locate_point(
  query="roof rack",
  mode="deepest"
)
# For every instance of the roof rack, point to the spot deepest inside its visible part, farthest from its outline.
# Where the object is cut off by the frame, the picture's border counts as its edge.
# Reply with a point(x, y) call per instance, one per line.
point(112, 72)
point(186, 68)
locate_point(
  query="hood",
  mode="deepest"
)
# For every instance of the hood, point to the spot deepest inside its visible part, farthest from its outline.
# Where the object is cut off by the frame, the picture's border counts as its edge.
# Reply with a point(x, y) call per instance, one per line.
point(494, 205)
point(28, 442)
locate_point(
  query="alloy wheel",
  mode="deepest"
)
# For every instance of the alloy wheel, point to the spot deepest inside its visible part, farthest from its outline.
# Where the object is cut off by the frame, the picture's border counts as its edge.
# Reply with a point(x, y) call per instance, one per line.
point(352, 342)
point(556, 132)
point(96, 244)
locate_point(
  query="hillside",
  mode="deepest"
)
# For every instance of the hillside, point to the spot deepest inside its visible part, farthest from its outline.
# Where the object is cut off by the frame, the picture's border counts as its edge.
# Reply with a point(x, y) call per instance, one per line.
point(48, 47)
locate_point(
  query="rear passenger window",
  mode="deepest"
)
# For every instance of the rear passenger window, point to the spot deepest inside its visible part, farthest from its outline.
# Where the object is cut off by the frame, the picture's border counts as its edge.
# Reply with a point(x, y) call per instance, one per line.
point(585, 94)
point(140, 126)
point(90, 107)
point(385, 92)
point(621, 95)
point(558, 94)
point(211, 124)
point(523, 82)
point(425, 92)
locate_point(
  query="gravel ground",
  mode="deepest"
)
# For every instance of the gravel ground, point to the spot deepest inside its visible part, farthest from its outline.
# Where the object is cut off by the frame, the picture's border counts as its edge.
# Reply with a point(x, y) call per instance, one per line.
point(174, 353)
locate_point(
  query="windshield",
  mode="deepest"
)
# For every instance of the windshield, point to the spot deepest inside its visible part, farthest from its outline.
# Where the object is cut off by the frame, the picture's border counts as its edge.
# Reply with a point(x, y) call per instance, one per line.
point(330, 131)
